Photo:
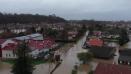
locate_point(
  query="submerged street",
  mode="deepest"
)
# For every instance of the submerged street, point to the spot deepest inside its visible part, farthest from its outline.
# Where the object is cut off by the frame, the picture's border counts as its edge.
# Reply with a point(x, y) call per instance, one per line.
point(71, 59)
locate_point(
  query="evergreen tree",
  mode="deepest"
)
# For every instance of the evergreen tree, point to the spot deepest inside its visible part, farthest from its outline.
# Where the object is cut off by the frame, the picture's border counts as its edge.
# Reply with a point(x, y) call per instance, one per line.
point(23, 63)
point(124, 38)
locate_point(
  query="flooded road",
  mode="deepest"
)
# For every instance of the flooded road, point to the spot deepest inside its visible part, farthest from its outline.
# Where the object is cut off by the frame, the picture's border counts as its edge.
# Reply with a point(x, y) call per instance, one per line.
point(5, 68)
point(71, 59)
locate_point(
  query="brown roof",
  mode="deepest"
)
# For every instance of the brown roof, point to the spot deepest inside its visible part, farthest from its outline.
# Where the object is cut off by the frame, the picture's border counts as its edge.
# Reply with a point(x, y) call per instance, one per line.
point(112, 69)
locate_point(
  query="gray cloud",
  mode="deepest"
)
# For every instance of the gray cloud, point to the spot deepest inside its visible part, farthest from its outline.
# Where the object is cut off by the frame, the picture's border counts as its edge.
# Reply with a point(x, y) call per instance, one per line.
point(72, 9)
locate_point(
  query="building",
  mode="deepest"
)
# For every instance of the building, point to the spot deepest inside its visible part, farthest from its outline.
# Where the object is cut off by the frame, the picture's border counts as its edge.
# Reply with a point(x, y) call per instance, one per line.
point(1, 41)
point(94, 42)
point(9, 47)
point(103, 52)
point(8, 51)
point(103, 68)
point(125, 57)
point(97, 33)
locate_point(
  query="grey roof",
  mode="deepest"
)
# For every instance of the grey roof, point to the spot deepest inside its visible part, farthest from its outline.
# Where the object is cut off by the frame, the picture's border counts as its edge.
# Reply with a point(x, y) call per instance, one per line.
point(35, 36)
point(125, 58)
point(103, 52)
point(22, 38)
point(125, 52)
point(125, 55)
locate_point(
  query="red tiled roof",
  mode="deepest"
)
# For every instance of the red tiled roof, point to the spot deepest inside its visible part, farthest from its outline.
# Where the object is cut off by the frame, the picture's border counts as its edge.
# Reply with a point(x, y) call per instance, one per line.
point(2, 40)
point(10, 46)
point(37, 44)
point(95, 42)
point(112, 69)
point(47, 43)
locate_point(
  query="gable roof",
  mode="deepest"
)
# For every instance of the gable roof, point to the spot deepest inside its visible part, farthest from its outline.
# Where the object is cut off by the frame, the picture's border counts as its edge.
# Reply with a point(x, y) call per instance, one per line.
point(103, 68)
point(102, 52)
point(125, 55)
point(2, 41)
point(33, 44)
point(95, 42)
point(40, 44)
point(125, 52)
point(6, 42)
point(10, 46)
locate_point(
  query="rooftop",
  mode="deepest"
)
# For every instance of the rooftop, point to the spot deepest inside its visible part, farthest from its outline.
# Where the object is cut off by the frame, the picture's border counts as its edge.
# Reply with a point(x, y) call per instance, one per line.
point(95, 42)
point(103, 52)
point(103, 68)
point(125, 55)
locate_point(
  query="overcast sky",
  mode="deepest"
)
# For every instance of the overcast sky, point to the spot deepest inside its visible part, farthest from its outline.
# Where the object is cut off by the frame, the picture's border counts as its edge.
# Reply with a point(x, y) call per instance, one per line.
point(72, 9)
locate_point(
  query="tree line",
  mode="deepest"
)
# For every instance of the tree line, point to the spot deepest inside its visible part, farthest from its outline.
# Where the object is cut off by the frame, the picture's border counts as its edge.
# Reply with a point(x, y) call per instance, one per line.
point(6, 18)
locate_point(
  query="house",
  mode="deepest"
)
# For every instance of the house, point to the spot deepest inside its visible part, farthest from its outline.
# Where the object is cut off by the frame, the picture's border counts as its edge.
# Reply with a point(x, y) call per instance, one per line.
point(18, 30)
point(8, 51)
point(103, 68)
point(94, 42)
point(1, 41)
point(41, 46)
point(72, 35)
point(111, 34)
point(125, 57)
point(97, 33)
point(9, 47)
point(103, 52)
point(4, 44)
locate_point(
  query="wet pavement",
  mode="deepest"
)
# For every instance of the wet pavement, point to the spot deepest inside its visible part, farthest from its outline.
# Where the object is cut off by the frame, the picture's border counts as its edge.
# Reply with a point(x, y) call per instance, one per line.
point(5, 68)
point(71, 59)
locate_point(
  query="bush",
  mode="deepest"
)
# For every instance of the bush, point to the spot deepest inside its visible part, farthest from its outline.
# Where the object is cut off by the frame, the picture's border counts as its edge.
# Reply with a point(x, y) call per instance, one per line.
point(85, 57)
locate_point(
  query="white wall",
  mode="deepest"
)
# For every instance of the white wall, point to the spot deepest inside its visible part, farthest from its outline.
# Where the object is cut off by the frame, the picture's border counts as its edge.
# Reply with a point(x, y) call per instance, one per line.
point(8, 54)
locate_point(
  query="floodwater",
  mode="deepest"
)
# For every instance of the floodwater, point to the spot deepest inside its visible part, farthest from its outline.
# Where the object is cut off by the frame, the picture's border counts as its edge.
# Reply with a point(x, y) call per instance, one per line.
point(71, 59)
point(5, 68)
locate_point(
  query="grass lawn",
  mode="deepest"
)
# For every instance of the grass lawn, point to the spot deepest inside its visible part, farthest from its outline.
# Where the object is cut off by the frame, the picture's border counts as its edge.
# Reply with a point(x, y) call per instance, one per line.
point(35, 62)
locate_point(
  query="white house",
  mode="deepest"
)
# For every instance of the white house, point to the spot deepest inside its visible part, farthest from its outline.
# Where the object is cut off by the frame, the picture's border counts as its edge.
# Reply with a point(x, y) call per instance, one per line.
point(9, 47)
point(8, 51)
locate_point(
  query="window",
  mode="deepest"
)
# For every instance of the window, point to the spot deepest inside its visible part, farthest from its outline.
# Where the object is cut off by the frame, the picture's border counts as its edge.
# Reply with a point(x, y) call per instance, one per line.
point(14, 55)
point(120, 62)
point(128, 63)
point(6, 55)
point(9, 55)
